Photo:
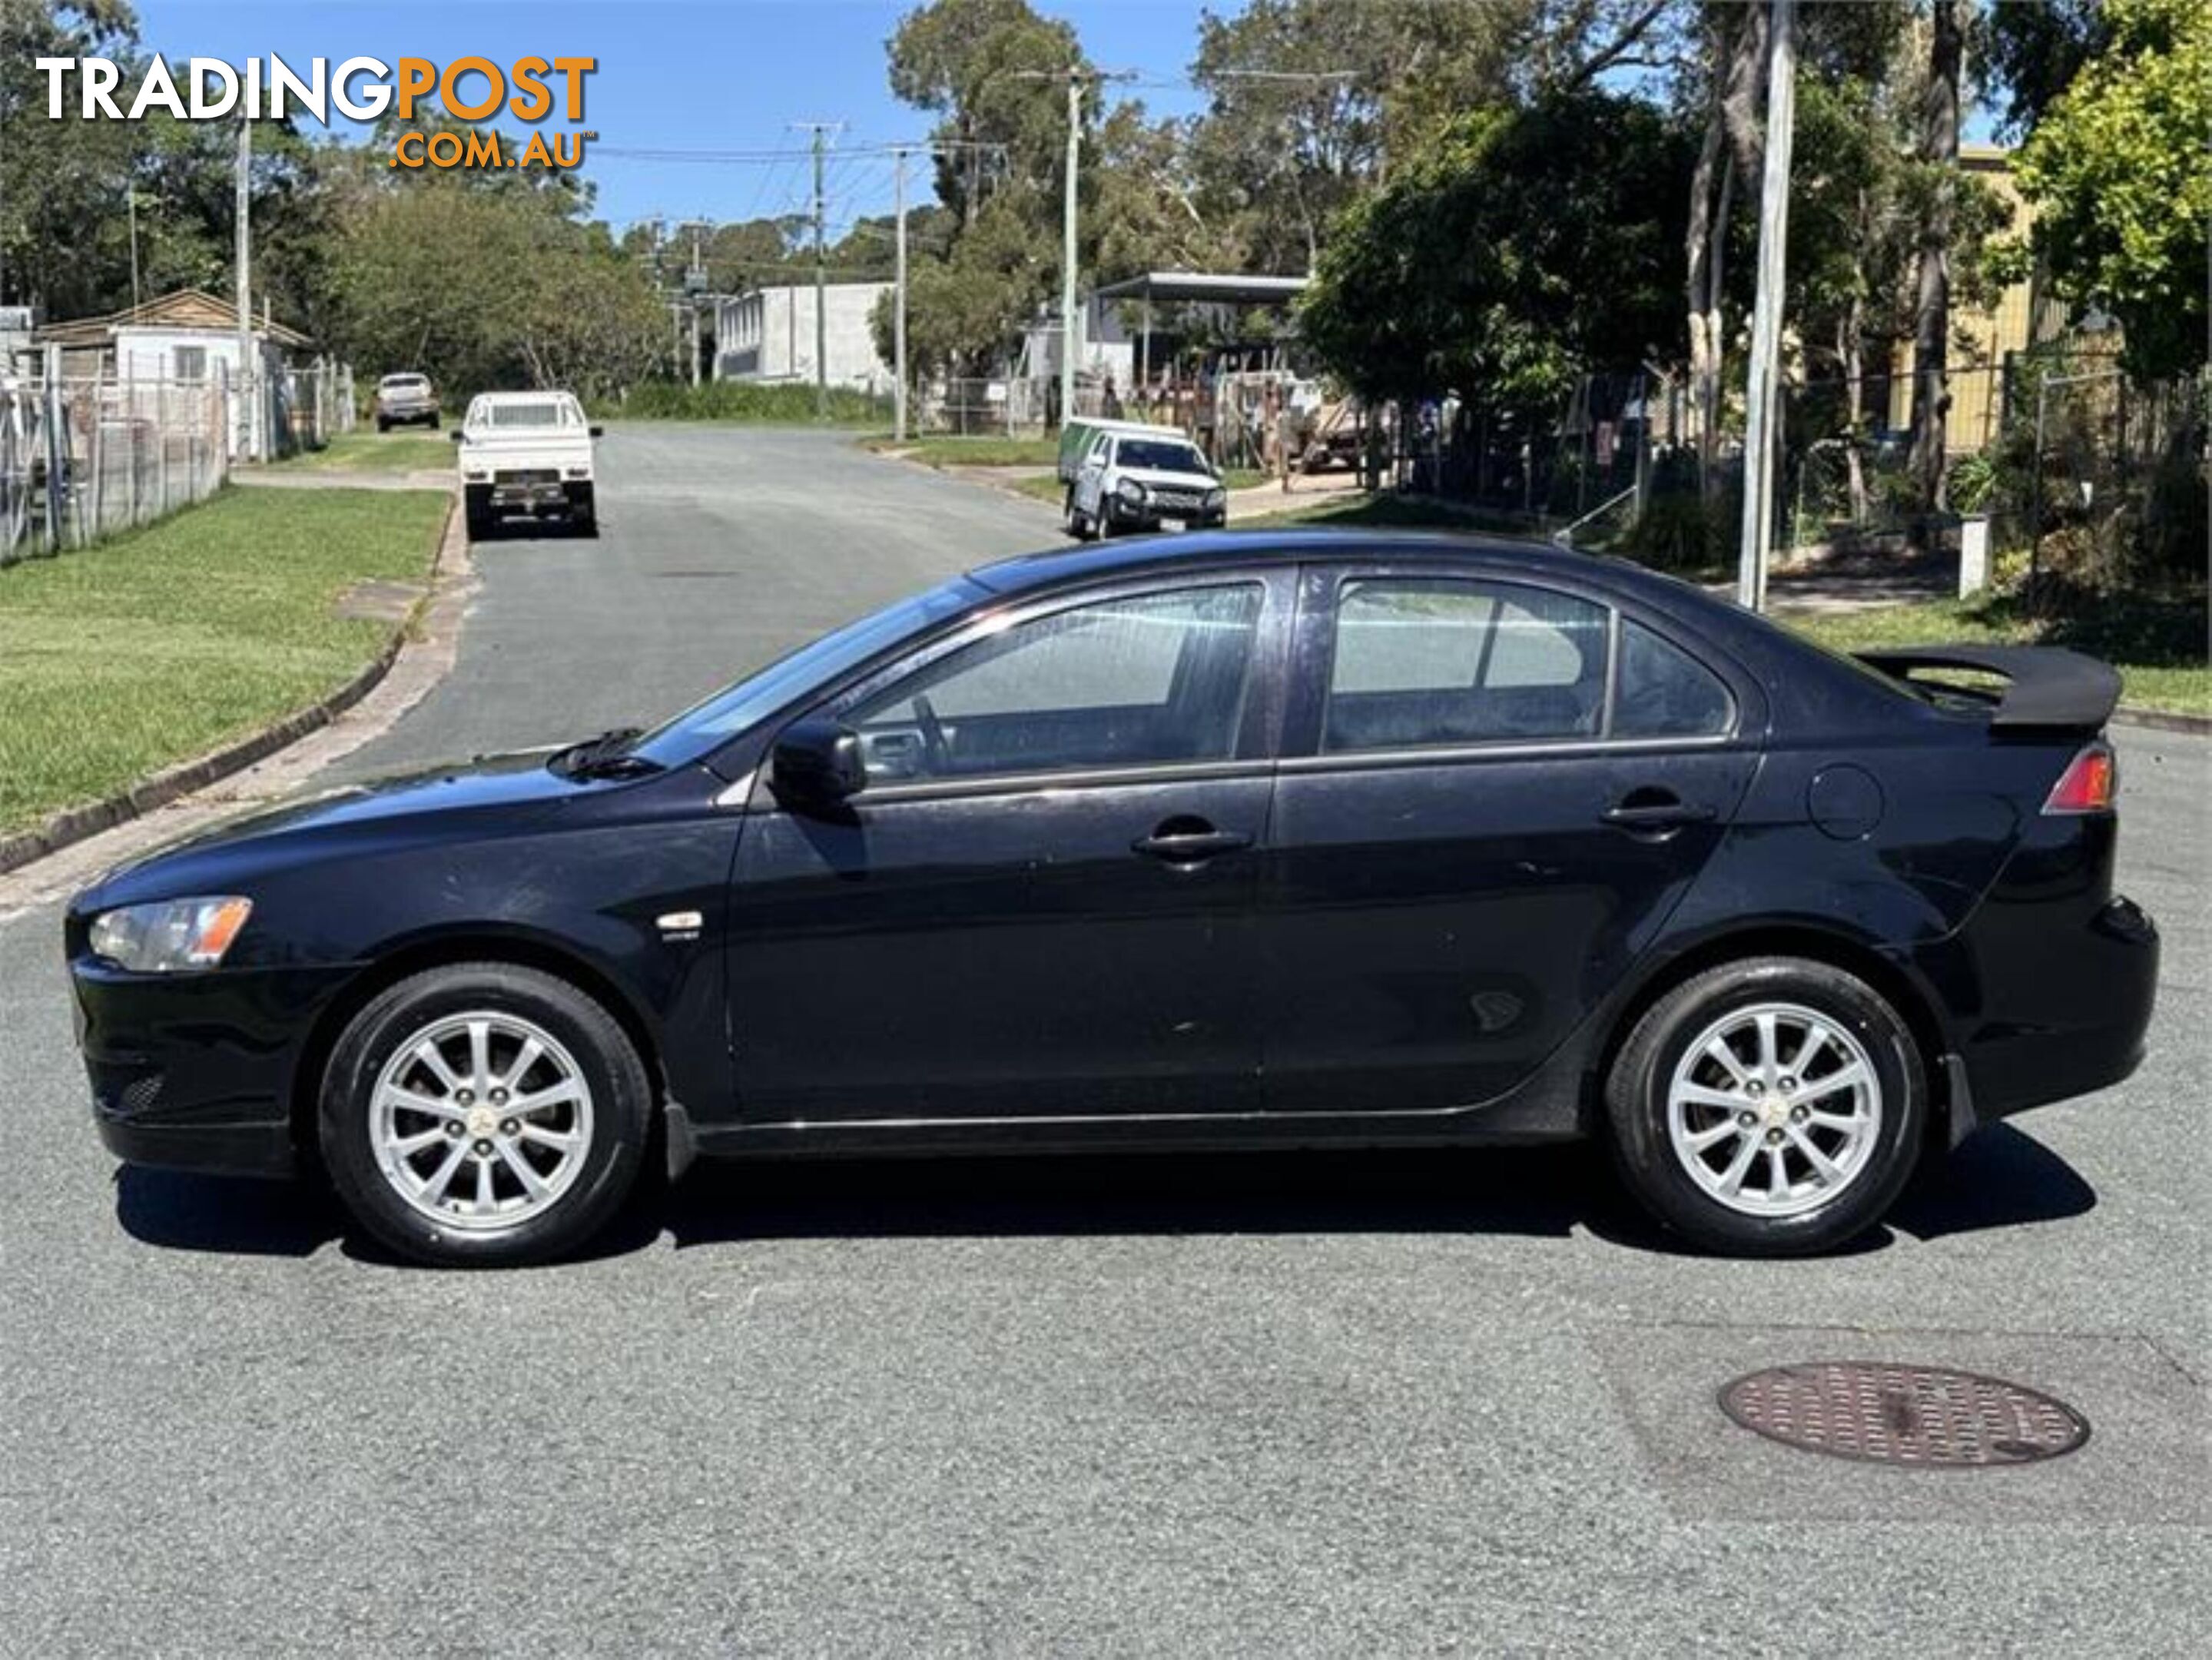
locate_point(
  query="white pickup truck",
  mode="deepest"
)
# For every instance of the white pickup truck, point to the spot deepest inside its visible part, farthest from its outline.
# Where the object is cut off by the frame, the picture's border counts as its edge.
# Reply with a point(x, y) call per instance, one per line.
point(527, 452)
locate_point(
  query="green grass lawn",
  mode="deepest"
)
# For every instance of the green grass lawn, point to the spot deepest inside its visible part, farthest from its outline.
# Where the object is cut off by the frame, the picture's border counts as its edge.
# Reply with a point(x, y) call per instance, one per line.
point(122, 659)
point(367, 450)
point(973, 452)
point(2158, 645)
point(745, 403)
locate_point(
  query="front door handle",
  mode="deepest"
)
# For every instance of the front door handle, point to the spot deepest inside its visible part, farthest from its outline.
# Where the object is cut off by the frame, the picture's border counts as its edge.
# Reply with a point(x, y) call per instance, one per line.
point(1186, 839)
point(1646, 811)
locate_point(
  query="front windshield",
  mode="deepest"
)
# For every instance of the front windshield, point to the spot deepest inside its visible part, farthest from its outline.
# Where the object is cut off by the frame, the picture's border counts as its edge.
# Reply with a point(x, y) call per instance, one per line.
point(1160, 456)
point(706, 727)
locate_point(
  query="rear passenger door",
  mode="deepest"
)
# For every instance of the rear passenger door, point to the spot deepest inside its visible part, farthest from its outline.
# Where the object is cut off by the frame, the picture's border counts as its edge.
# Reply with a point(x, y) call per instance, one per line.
point(1493, 791)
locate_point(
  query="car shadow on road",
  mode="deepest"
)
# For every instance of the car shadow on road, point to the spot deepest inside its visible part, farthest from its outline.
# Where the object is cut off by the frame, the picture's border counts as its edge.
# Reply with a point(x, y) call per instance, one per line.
point(2000, 1178)
point(226, 1214)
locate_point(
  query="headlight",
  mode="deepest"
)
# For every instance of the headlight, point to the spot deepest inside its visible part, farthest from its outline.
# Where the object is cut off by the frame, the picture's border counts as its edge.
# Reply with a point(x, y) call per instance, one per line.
point(1129, 490)
point(172, 937)
point(1216, 497)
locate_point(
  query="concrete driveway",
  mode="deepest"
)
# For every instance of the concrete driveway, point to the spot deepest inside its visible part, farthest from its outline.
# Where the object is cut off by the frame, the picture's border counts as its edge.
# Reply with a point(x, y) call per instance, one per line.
point(1356, 1405)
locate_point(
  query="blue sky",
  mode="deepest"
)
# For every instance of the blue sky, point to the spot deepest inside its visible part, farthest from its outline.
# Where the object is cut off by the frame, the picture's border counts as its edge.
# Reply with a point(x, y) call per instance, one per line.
point(684, 74)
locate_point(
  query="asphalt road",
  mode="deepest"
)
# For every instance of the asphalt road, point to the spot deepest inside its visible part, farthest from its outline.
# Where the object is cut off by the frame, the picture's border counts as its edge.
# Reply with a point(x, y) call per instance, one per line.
point(1373, 1405)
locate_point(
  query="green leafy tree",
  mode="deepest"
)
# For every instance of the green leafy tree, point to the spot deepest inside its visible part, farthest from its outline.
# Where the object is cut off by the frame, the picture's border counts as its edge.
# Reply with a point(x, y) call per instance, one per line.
point(64, 185)
point(2116, 169)
point(1517, 251)
point(1308, 99)
point(2030, 51)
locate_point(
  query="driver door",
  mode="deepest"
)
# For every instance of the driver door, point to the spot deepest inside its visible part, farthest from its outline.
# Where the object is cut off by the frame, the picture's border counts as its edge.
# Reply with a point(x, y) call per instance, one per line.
point(1041, 904)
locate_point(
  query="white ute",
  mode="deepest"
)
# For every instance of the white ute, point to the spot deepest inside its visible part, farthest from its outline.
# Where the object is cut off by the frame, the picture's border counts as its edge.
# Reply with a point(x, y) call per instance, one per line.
point(527, 452)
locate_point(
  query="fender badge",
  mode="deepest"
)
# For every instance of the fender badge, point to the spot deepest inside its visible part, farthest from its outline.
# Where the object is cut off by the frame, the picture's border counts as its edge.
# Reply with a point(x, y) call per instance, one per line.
point(680, 924)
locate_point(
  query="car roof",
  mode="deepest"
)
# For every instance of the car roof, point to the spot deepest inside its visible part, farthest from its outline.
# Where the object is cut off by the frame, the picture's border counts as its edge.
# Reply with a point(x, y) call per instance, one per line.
point(523, 397)
point(1141, 556)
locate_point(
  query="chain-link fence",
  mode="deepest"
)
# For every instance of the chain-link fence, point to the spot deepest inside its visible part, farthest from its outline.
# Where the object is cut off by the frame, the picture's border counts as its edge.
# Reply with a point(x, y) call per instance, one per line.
point(2076, 465)
point(84, 456)
point(307, 405)
point(1005, 406)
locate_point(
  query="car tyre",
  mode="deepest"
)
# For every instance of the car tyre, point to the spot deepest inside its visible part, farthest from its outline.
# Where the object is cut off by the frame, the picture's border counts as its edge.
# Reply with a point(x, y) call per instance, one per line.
point(583, 510)
point(477, 503)
point(1656, 1106)
point(383, 425)
point(579, 1046)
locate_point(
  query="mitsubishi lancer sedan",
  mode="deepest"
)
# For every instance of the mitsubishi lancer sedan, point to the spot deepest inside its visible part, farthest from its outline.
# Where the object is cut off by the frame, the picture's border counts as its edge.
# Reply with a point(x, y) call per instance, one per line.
point(1251, 840)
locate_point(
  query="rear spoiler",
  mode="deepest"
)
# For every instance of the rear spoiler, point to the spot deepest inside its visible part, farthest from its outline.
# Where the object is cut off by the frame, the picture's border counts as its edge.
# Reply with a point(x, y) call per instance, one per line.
point(2047, 685)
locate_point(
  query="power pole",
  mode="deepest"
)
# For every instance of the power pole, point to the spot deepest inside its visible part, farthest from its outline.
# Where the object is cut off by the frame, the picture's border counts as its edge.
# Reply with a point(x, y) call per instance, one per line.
point(821, 130)
point(1762, 390)
point(696, 297)
point(242, 256)
point(898, 305)
point(1067, 344)
point(135, 300)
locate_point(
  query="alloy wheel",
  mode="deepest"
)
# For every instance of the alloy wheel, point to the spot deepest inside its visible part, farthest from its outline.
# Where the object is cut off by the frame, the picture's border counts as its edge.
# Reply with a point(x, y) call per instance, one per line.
point(1774, 1110)
point(481, 1120)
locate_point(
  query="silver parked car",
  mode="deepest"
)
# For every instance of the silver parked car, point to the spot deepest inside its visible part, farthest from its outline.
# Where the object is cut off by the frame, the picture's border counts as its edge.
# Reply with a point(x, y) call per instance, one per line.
point(404, 397)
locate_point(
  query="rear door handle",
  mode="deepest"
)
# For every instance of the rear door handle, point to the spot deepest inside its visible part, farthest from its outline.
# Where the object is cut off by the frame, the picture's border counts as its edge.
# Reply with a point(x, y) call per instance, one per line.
point(1186, 840)
point(1653, 810)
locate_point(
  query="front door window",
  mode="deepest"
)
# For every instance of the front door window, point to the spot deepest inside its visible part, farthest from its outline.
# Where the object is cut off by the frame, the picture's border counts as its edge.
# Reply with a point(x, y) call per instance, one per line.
point(1149, 680)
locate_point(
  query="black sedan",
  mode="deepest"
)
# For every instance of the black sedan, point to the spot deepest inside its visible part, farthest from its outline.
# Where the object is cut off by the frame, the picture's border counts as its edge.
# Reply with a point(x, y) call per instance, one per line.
point(1223, 840)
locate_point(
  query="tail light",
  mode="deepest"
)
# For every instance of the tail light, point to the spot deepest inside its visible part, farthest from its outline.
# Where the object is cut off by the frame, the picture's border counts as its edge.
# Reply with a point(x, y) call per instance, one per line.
point(2089, 784)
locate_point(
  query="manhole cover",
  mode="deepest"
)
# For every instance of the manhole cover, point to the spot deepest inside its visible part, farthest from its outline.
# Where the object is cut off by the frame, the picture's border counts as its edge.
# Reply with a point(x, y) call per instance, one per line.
point(1921, 1415)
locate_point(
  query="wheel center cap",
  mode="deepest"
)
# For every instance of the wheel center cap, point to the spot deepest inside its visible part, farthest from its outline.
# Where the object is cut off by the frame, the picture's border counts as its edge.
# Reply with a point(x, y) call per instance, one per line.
point(482, 1121)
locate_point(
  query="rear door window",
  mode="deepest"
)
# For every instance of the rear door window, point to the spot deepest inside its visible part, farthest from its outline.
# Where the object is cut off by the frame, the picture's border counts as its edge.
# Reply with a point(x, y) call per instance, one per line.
point(1423, 661)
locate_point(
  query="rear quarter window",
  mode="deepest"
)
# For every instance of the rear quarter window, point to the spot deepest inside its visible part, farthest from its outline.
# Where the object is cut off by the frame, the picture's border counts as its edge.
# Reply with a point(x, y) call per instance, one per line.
point(1662, 691)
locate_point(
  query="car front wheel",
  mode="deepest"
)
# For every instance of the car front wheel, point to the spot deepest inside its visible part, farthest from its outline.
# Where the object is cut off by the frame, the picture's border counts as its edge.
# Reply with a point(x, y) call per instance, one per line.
point(1770, 1107)
point(483, 1115)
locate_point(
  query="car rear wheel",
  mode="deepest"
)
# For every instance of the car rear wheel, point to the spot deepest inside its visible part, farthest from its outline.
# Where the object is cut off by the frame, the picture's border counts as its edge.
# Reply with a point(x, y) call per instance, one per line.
point(483, 1115)
point(1770, 1107)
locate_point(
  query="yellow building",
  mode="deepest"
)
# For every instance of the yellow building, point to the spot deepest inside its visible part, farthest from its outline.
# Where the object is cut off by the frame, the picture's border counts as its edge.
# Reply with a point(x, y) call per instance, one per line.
point(2018, 318)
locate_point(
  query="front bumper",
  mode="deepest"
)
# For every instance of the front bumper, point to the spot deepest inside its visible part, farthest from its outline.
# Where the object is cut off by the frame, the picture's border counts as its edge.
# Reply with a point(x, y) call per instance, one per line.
point(195, 1072)
point(1151, 516)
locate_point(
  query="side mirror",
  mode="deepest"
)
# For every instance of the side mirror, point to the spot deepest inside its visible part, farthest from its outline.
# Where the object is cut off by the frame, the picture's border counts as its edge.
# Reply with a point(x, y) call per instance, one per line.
point(819, 762)
point(598, 432)
point(455, 435)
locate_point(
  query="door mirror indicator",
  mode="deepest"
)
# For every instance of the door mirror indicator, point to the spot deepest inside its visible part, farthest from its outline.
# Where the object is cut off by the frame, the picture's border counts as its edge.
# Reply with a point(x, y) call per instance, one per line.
point(817, 762)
